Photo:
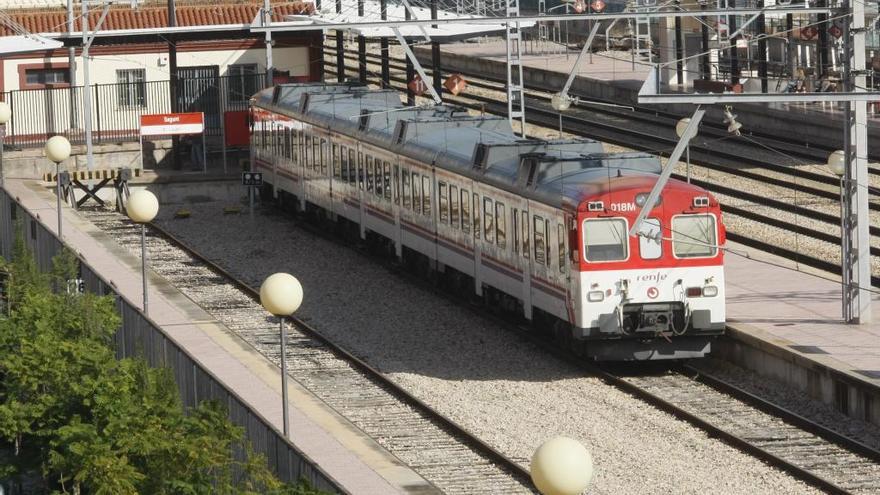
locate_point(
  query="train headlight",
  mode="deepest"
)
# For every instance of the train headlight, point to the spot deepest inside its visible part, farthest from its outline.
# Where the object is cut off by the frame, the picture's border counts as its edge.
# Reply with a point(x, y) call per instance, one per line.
point(694, 292)
point(595, 296)
point(710, 291)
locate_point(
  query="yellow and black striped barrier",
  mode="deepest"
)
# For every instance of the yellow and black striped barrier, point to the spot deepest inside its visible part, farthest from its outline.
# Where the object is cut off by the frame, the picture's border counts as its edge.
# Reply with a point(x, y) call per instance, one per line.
point(102, 174)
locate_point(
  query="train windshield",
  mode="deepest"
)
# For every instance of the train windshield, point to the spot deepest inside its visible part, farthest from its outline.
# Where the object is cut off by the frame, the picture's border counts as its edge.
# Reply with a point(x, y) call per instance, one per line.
point(605, 239)
point(693, 236)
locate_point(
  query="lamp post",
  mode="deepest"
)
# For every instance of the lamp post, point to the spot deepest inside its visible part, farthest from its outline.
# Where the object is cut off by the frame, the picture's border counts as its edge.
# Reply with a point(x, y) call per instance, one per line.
point(57, 149)
point(5, 115)
point(561, 466)
point(837, 164)
point(680, 126)
point(281, 294)
point(141, 208)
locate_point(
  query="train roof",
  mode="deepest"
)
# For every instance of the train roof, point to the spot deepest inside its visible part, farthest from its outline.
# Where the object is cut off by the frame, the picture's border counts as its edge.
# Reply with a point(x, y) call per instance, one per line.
point(561, 173)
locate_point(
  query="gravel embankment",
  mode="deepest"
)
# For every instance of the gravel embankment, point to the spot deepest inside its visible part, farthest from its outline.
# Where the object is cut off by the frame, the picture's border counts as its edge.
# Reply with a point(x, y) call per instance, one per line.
point(509, 393)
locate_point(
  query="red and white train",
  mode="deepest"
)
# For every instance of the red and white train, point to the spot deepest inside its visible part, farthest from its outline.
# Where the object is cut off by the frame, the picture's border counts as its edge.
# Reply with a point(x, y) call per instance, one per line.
point(534, 226)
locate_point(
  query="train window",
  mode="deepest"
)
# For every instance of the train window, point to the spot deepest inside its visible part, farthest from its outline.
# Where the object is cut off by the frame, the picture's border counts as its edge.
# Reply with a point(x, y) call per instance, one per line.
point(378, 181)
point(650, 247)
point(316, 154)
point(360, 169)
point(325, 157)
point(396, 184)
point(406, 189)
point(294, 142)
point(417, 195)
point(540, 237)
point(369, 173)
point(453, 206)
point(307, 151)
point(352, 167)
point(488, 221)
point(343, 158)
point(387, 177)
point(560, 252)
point(286, 144)
point(337, 164)
point(476, 204)
point(443, 195)
point(465, 211)
point(605, 239)
point(514, 230)
point(524, 228)
point(693, 236)
point(426, 195)
point(547, 244)
point(500, 225)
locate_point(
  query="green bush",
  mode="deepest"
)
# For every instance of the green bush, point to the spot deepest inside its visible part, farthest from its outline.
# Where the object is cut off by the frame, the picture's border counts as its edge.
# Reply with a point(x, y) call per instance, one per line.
point(77, 420)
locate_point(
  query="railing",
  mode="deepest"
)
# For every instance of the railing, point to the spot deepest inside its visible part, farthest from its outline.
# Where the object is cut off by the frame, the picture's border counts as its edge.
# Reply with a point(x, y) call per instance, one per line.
point(138, 336)
point(38, 114)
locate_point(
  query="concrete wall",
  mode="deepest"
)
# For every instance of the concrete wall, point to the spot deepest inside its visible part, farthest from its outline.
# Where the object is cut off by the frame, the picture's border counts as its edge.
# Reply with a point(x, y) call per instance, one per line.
point(843, 391)
point(139, 336)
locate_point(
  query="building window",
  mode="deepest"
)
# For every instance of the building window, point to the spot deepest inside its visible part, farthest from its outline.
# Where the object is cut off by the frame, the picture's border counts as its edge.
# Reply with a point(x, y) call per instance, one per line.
point(46, 77)
point(241, 82)
point(132, 87)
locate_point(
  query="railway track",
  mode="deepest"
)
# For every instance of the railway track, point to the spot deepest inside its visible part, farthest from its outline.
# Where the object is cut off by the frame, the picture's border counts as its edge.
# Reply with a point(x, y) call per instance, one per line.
point(661, 140)
point(786, 440)
point(800, 446)
point(442, 452)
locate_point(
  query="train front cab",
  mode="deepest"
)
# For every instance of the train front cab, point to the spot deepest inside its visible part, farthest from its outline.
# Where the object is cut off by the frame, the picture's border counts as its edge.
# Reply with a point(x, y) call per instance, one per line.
point(658, 295)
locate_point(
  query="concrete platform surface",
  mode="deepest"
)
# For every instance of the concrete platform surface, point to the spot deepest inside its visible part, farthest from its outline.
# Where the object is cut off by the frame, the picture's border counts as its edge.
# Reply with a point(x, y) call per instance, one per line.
point(794, 314)
point(355, 461)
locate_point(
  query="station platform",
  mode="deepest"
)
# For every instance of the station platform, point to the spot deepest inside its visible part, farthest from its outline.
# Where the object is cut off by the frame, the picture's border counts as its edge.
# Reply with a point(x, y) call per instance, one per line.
point(614, 77)
point(355, 462)
point(785, 322)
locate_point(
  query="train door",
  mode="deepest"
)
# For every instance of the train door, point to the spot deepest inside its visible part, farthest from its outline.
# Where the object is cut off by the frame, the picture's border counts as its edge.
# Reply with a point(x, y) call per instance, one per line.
point(396, 183)
point(522, 248)
point(361, 190)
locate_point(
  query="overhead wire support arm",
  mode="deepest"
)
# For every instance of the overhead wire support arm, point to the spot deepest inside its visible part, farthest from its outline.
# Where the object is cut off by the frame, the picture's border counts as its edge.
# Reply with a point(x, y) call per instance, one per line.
point(412, 58)
point(689, 132)
point(564, 100)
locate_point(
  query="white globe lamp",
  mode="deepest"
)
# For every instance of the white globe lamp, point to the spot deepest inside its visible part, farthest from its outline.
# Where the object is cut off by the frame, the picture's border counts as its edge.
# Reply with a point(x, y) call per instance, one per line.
point(561, 466)
point(681, 125)
point(560, 102)
point(281, 294)
point(142, 206)
point(5, 112)
point(837, 162)
point(57, 149)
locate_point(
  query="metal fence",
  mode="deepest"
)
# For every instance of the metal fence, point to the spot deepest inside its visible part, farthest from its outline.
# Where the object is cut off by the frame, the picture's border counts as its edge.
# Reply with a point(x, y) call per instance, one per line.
point(139, 337)
point(38, 114)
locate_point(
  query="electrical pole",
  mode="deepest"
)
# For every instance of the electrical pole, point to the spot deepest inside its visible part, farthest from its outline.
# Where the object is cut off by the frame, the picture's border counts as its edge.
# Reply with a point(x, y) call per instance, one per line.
point(362, 47)
point(435, 54)
point(172, 82)
point(856, 262)
point(383, 48)
point(340, 48)
point(762, 49)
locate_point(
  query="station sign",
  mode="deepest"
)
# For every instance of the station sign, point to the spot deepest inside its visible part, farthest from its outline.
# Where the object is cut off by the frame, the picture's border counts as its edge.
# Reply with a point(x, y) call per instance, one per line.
point(252, 178)
point(165, 124)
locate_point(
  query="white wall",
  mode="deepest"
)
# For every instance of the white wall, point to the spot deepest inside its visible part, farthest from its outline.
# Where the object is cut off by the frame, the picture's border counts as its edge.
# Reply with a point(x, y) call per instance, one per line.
point(102, 68)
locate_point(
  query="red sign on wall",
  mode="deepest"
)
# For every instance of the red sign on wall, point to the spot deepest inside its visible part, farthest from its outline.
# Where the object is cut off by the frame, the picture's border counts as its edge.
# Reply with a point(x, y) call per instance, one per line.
point(236, 125)
point(164, 124)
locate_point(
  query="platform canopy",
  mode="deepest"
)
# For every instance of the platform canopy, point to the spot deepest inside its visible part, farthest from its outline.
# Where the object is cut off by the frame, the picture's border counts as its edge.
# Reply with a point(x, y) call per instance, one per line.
point(11, 45)
point(396, 11)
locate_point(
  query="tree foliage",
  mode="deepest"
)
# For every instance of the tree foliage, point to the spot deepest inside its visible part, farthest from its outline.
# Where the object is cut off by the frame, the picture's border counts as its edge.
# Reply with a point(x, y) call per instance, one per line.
point(80, 421)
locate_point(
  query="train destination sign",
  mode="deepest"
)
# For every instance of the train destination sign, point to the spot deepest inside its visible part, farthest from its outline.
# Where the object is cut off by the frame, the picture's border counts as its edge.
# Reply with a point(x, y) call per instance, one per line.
point(164, 124)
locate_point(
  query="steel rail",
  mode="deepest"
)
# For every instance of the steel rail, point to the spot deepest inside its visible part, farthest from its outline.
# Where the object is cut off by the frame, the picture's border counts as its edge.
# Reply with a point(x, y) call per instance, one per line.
point(772, 409)
point(605, 375)
point(701, 154)
point(470, 439)
point(794, 147)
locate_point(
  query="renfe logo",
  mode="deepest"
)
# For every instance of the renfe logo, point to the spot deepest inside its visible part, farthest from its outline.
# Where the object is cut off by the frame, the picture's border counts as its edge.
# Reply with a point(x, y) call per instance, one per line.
point(653, 292)
point(652, 277)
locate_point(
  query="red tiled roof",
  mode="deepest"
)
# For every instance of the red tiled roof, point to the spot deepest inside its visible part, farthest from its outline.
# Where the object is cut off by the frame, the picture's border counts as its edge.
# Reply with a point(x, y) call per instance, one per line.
point(54, 21)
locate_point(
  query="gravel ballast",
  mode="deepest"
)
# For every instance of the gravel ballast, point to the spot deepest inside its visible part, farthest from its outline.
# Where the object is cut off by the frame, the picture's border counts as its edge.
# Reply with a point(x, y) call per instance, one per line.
point(509, 393)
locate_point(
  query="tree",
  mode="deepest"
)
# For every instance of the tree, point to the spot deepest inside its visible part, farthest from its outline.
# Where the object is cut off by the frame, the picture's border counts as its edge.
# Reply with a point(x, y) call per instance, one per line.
point(86, 422)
